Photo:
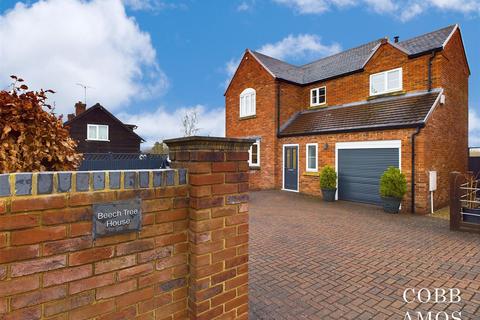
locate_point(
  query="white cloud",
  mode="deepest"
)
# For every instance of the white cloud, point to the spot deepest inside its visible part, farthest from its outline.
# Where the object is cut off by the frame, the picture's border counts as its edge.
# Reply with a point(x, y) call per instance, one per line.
point(314, 6)
point(244, 6)
point(150, 5)
point(163, 124)
point(294, 48)
point(299, 47)
point(382, 6)
point(408, 8)
point(54, 44)
point(473, 128)
point(411, 11)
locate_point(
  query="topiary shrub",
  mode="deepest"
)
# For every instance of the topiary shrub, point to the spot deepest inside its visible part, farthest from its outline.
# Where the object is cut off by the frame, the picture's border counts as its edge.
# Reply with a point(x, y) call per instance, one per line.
point(328, 178)
point(393, 183)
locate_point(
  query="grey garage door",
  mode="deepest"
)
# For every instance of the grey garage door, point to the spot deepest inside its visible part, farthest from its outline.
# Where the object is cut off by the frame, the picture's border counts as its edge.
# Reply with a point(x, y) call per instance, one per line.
point(359, 172)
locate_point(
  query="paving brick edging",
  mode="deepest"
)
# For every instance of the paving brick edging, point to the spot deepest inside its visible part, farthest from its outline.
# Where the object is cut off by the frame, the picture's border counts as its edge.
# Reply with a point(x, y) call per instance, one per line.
point(45, 183)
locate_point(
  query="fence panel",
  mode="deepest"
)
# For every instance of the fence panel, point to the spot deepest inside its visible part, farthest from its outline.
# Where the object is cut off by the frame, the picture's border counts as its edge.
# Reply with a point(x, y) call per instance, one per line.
point(464, 203)
point(122, 161)
point(474, 165)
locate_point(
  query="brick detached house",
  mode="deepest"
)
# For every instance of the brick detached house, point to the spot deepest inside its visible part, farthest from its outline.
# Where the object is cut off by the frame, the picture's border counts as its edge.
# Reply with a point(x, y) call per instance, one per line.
point(384, 103)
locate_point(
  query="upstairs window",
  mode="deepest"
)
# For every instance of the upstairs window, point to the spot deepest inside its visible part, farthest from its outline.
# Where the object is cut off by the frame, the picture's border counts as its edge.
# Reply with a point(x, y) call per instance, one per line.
point(247, 103)
point(385, 82)
point(312, 157)
point(97, 132)
point(254, 154)
point(318, 96)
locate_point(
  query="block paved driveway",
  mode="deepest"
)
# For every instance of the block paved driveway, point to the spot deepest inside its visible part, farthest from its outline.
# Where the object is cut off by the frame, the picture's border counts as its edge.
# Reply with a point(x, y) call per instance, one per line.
point(315, 260)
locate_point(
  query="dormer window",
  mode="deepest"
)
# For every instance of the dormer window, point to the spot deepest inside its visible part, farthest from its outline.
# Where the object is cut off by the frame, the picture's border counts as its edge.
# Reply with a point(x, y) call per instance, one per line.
point(386, 82)
point(97, 132)
point(318, 96)
point(247, 103)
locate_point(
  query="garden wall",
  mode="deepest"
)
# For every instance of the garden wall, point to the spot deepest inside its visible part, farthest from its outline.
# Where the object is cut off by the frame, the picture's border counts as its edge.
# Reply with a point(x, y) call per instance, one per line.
point(189, 260)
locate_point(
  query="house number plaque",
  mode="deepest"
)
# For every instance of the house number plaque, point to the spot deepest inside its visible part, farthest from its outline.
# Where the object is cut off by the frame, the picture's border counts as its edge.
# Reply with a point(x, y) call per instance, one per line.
point(112, 218)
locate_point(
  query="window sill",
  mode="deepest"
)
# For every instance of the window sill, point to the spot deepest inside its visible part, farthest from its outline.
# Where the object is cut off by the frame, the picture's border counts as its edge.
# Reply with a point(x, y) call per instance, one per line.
point(95, 140)
point(319, 106)
point(388, 94)
point(254, 167)
point(247, 117)
point(311, 173)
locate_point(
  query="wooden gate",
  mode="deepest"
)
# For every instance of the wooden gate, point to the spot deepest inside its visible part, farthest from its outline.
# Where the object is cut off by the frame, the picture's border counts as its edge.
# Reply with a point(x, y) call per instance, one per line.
point(464, 202)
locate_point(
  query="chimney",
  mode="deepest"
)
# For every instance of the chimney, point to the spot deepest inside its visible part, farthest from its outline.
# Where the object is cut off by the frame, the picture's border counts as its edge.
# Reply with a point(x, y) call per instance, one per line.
point(70, 116)
point(80, 107)
point(396, 39)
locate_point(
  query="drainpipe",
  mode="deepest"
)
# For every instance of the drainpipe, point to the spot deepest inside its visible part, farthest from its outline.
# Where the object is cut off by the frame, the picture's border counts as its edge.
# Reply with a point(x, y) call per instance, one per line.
point(430, 63)
point(417, 131)
point(413, 168)
point(278, 107)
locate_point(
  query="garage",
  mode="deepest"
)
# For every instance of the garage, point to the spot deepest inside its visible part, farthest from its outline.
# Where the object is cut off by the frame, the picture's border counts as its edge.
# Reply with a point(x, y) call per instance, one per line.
point(360, 166)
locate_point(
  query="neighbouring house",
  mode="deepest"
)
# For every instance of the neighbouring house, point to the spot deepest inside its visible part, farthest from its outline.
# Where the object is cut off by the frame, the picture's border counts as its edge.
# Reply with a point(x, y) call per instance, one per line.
point(96, 130)
point(384, 103)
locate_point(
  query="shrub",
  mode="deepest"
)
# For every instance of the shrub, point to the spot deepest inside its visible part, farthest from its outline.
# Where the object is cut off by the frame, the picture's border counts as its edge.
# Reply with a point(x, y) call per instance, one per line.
point(32, 138)
point(328, 178)
point(393, 183)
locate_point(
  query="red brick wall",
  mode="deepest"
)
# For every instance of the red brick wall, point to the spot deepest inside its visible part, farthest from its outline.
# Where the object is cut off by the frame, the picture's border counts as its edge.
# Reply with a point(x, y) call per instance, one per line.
point(50, 265)
point(251, 74)
point(446, 135)
point(294, 98)
point(310, 184)
point(190, 259)
point(355, 87)
point(434, 150)
point(218, 234)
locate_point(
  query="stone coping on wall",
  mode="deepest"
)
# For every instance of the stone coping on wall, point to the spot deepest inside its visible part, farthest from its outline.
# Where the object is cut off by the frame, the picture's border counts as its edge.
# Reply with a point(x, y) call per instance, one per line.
point(46, 183)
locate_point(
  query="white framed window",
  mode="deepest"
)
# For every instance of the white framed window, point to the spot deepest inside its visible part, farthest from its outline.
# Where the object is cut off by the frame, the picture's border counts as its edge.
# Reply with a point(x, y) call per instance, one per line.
point(254, 154)
point(385, 82)
point(98, 132)
point(247, 103)
point(312, 157)
point(318, 96)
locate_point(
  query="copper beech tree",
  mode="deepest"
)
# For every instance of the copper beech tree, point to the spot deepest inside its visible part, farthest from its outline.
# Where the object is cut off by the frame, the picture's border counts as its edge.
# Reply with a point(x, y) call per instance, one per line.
point(32, 137)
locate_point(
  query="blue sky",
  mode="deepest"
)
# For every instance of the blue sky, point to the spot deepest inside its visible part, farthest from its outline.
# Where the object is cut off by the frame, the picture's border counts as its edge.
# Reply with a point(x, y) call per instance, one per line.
point(151, 61)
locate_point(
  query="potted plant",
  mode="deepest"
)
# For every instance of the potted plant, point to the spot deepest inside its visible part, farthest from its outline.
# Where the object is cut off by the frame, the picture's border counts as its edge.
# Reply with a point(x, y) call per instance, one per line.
point(470, 210)
point(393, 186)
point(328, 183)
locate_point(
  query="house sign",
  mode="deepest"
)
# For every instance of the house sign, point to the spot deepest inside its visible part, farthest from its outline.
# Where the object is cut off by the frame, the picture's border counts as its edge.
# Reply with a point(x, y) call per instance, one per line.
point(112, 218)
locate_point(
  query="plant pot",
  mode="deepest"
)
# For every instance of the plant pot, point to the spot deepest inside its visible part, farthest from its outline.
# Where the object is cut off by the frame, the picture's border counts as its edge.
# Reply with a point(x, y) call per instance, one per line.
point(391, 204)
point(329, 194)
point(472, 215)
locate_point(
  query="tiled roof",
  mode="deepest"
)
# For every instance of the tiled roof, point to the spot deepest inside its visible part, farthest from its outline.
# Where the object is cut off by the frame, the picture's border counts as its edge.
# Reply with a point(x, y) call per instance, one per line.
point(350, 60)
point(409, 110)
point(428, 41)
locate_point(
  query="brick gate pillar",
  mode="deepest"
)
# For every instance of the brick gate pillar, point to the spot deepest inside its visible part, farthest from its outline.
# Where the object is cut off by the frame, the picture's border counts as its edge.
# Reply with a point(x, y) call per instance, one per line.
point(218, 224)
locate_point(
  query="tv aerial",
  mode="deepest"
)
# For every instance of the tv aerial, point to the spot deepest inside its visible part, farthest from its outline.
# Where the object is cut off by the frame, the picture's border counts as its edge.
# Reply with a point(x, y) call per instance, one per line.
point(85, 87)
